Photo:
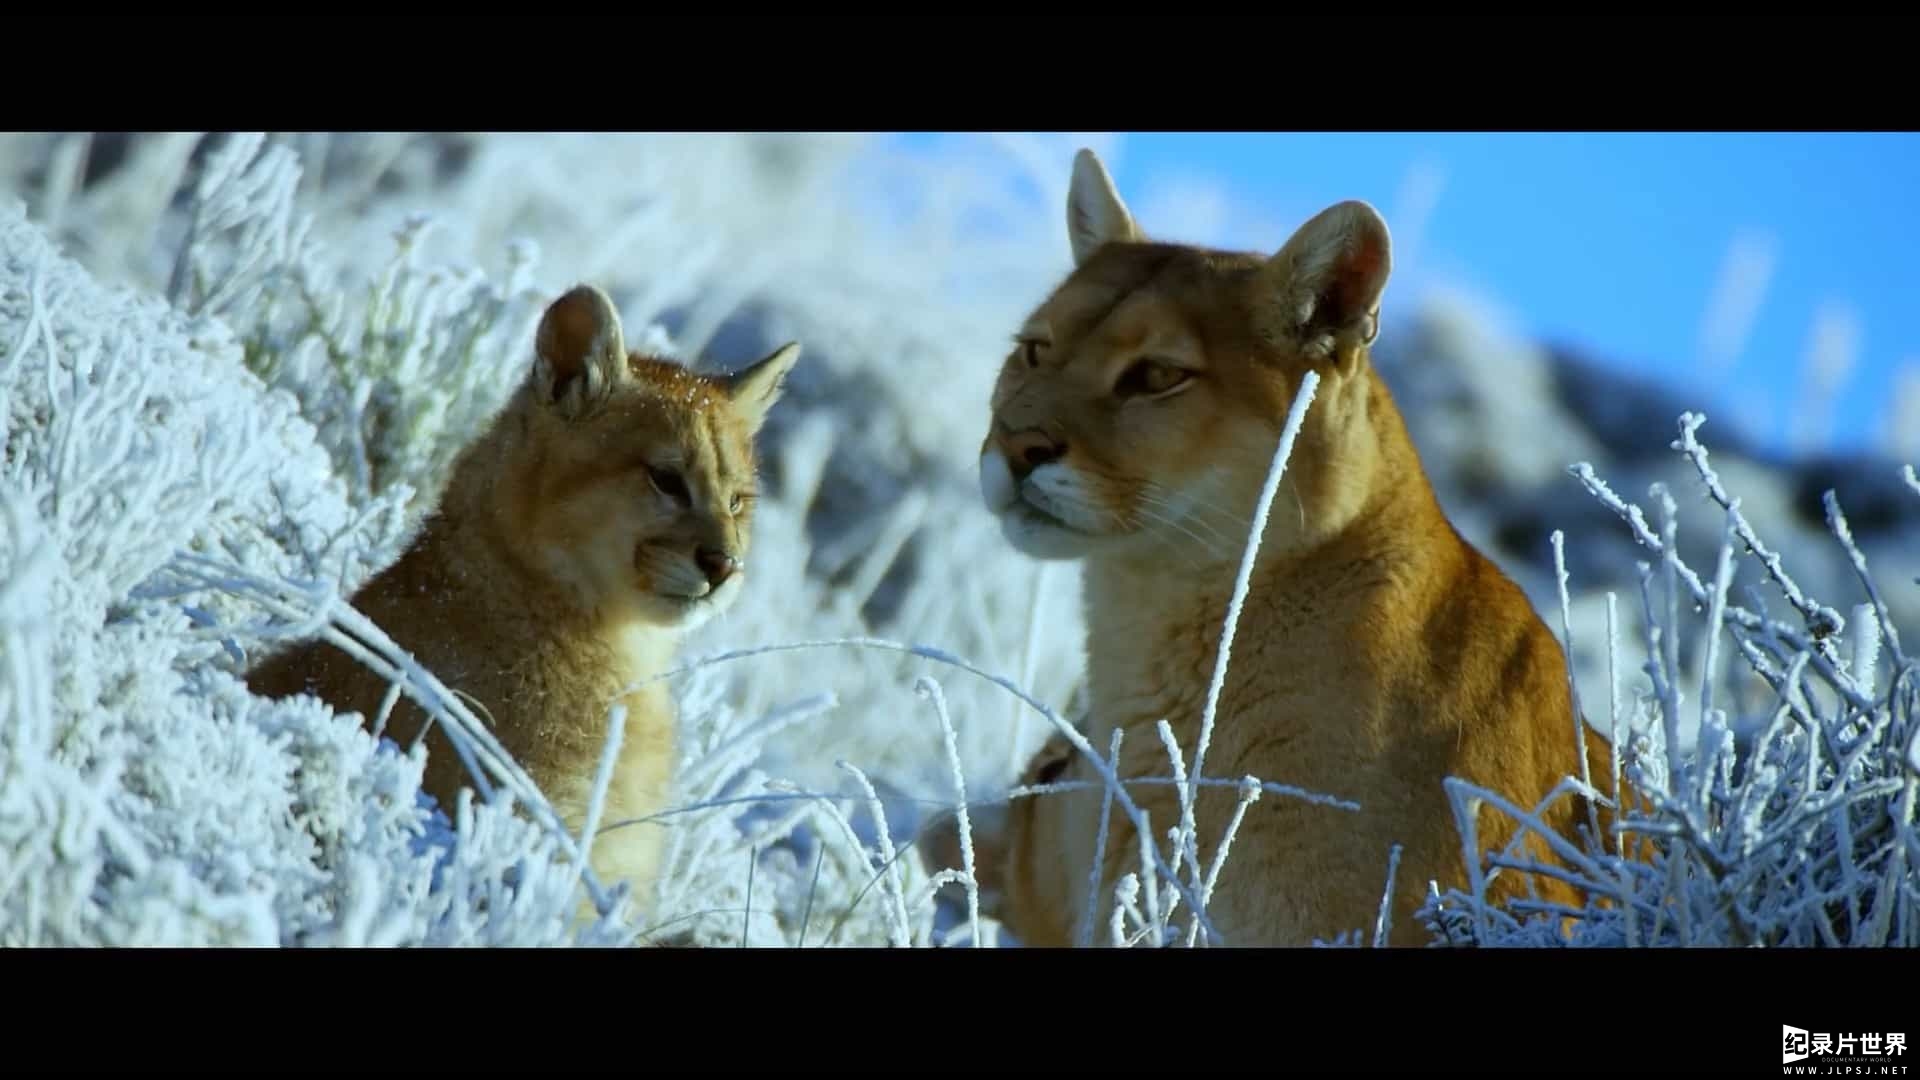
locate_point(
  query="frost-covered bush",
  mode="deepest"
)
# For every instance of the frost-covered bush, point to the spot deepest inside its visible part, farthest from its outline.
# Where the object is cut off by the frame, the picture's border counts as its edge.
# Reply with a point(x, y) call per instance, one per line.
point(1787, 823)
point(148, 798)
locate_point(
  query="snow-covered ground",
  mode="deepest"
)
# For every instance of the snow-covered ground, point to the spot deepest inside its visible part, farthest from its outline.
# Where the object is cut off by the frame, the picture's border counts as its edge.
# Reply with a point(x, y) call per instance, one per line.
point(229, 366)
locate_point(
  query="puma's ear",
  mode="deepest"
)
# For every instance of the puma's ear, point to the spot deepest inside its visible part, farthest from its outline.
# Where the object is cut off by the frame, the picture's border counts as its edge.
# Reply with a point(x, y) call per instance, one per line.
point(1327, 281)
point(755, 389)
point(580, 354)
point(1095, 214)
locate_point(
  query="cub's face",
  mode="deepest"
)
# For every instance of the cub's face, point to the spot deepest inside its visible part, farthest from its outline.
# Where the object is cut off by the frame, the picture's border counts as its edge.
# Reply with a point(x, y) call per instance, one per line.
point(640, 475)
point(1142, 402)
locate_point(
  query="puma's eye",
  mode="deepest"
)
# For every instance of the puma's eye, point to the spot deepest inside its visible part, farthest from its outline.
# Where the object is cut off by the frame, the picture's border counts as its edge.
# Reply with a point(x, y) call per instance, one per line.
point(668, 483)
point(1150, 377)
point(734, 504)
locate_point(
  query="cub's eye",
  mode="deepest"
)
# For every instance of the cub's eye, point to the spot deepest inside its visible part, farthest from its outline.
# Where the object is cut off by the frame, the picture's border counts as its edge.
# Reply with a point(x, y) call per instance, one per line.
point(668, 483)
point(734, 504)
point(1150, 377)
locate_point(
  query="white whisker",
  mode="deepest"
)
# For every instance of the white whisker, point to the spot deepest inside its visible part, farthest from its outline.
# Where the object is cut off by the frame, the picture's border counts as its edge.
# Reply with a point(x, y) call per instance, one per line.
point(1235, 523)
point(1185, 513)
point(1148, 513)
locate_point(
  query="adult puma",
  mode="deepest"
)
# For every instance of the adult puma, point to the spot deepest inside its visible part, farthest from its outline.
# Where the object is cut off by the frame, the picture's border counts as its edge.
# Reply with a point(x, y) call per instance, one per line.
point(1378, 652)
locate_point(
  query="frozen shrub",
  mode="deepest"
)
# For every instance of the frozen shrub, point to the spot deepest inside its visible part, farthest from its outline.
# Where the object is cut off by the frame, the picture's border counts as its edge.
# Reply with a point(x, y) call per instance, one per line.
point(1787, 824)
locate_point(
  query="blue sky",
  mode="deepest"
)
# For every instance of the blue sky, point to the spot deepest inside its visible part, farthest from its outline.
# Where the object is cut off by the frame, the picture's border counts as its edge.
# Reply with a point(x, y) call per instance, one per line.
point(1620, 244)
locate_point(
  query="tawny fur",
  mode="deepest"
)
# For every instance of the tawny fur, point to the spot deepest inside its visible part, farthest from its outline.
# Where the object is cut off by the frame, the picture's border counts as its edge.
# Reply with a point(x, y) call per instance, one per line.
point(560, 567)
point(1377, 654)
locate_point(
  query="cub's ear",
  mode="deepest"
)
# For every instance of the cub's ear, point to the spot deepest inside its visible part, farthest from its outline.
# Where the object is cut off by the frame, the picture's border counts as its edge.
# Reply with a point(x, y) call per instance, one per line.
point(1049, 762)
point(1095, 214)
point(755, 389)
point(1325, 284)
point(580, 353)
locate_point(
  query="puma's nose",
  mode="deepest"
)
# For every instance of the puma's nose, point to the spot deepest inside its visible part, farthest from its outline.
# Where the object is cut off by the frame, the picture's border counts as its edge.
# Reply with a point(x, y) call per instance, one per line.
point(1028, 450)
point(716, 564)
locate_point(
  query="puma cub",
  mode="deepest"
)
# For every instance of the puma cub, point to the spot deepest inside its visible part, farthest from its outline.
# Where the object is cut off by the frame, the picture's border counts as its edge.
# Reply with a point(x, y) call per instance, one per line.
point(606, 511)
point(1377, 653)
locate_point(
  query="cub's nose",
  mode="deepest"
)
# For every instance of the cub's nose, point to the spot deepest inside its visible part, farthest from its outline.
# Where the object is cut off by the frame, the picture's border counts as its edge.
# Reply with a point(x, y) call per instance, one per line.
point(716, 564)
point(1030, 449)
